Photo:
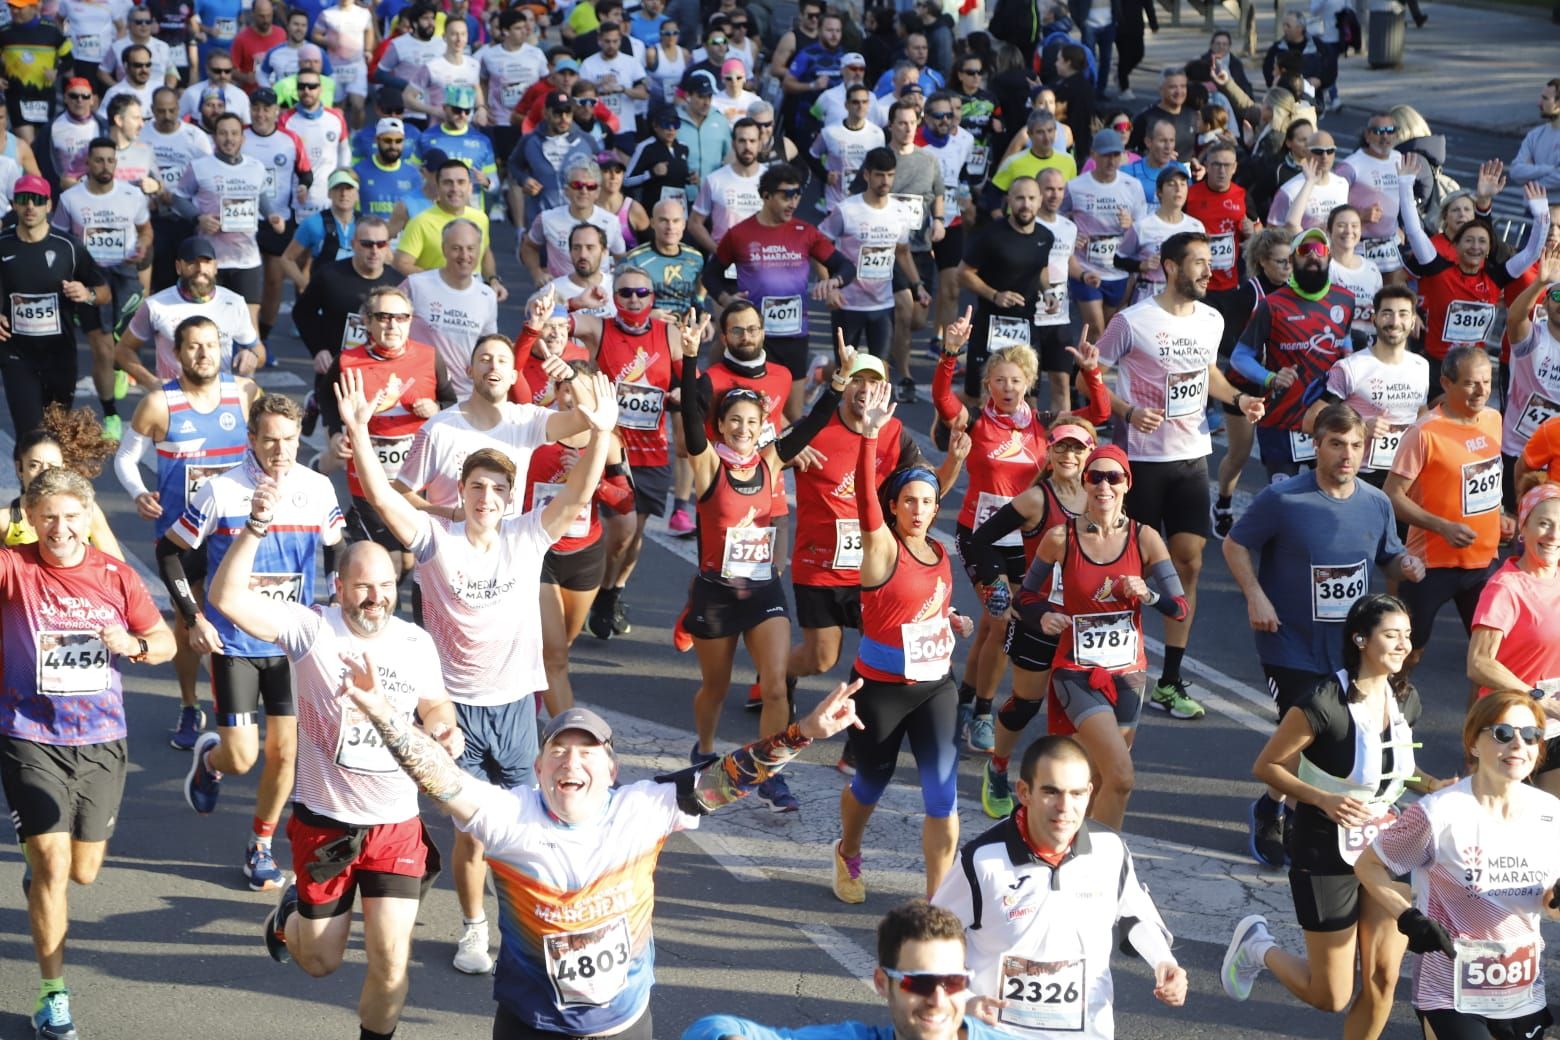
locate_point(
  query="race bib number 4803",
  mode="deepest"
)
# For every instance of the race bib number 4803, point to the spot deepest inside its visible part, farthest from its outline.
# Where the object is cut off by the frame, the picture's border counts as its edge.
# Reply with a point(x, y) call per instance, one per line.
point(589, 967)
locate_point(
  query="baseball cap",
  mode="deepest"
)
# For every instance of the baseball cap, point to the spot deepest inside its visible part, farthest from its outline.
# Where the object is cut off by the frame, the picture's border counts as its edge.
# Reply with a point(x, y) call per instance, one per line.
point(1107, 142)
point(605, 159)
point(853, 59)
point(1070, 432)
point(310, 52)
point(341, 177)
point(460, 95)
point(558, 101)
point(699, 81)
point(731, 65)
point(198, 247)
point(33, 183)
point(667, 117)
point(433, 158)
point(389, 125)
point(1315, 234)
point(263, 96)
point(868, 363)
point(582, 719)
point(567, 65)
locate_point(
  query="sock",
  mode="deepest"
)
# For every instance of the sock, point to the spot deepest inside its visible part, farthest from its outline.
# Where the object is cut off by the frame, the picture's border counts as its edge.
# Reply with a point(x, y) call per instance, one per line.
point(265, 330)
point(1267, 808)
point(1172, 669)
point(999, 765)
point(1223, 502)
point(365, 1033)
point(48, 986)
point(107, 404)
point(605, 600)
point(469, 921)
point(967, 694)
point(263, 831)
point(982, 705)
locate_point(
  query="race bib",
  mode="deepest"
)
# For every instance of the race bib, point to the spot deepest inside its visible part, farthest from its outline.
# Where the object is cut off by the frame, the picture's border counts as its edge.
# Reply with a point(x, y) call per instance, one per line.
point(876, 263)
point(1006, 331)
point(615, 103)
point(749, 553)
point(986, 507)
point(359, 748)
point(1494, 977)
point(1354, 840)
point(35, 314)
point(928, 649)
point(392, 452)
point(783, 315)
point(72, 664)
point(1043, 995)
point(1468, 321)
point(1383, 252)
point(1105, 640)
point(1186, 393)
point(225, 28)
point(196, 475)
point(108, 246)
point(278, 588)
point(35, 111)
point(672, 193)
point(914, 209)
point(346, 73)
point(510, 93)
point(1383, 449)
point(847, 546)
point(1534, 414)
point(543, 494)
point(1221, 249)
point(976, 165)
point(354, 333)
point(588, 967)
point(1101, 251)
point(1051, 308)
point(169, 175)
point(1302, 446)
point(239, 216)
point(1334, 590)
point(88, 47)
point(639, 406)
point(1481, 486)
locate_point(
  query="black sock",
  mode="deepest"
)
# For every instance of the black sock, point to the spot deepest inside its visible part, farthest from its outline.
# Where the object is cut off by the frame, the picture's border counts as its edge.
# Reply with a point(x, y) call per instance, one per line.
point(107, 404)
point(966, 693)
point(606, 599)
point(265, 330)
point(1223, 502)
point(365, 1033)
point(982, 706)
point(1267, 808)
point(1172, 669)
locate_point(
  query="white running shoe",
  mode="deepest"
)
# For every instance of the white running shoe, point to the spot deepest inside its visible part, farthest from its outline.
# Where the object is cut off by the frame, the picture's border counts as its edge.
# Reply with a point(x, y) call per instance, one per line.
point(1243, 960)
point(471, 953)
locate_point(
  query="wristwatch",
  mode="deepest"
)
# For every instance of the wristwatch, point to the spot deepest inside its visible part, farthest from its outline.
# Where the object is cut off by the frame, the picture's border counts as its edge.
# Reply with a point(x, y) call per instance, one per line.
point(145, 651)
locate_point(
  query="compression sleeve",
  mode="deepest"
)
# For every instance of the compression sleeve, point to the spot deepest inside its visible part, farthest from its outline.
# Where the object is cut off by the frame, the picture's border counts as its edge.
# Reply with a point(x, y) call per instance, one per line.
point(947, 403)
point(1165, 583)
point(1097, 396)
point(988, 560)
point(840, 267)
point(801, 434)
point(702, 790)
point(170, 565)
point(694, 437)
point(1034, 598)
point(1517, 264)
point(1413, 229)
point(127, 462)
point(1244, 361)
point(444, 390)
point(868, 508)
point(715, 280)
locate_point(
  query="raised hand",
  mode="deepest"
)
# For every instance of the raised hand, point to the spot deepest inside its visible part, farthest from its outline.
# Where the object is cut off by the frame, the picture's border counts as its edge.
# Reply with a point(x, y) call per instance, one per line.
point(1549, 264)
point(1086, 353)
point(844, 353)
point(834, 714)
point(355, 408)
point(540, 309)
point(1492, 179)
point(595, 398)
point(691, 327)
point(878, 407)
point(956, 334)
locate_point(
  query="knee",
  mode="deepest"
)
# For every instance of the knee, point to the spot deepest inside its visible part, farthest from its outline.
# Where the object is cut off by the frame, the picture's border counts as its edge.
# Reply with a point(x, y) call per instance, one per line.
point(51, 864)
point(555, 654)
point(1188, 565)
point(241, 758)
point(773, 690)
point(1325, 997)
point(314, 964)
point(1118, 777)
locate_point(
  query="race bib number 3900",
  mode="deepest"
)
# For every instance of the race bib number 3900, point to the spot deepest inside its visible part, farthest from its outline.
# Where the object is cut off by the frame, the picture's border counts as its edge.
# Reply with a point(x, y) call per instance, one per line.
point(1186, 393)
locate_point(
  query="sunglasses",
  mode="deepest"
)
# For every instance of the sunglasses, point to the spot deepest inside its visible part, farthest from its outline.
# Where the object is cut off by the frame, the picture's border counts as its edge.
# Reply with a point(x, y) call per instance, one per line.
point(585, 185)
point(29, 198)
point(734, 79)
point(939, 115)
point(1105, 476)
point(458, 109)
point(1505, 733)
point(78, 97)
point(788, 193)
point(635, 292)
point(671, 32)
point(308, 86)
point(1313, 248)
point(138, 64)
point(1383, 130)
point(221, 72)
point(738, 25)
point(1323, 151)
point(970, 72)
point(925, 983)
point(585, 102)
point(141, 21)
point(374, 243)
point(764, 126)
point(398, 317)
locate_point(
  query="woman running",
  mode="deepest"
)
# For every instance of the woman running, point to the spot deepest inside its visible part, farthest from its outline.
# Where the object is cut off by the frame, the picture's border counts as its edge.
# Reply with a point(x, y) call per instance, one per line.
point(1344, 754)
point(548, 332)
point(573, 568)
point(905, 658)
point(1111, 567)
point(737, 593)
point(1515, 642)
point(1353, 272)
point(1055, 499)
point(1485, 855)
point(1008, 444)
point(632, 218)
point(68, 439)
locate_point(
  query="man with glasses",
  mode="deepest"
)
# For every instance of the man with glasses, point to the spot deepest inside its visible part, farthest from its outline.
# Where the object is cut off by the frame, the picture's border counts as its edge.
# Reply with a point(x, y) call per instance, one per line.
point(254, 41)
point(326, 139)
point(51, 283)
point(457, 139)
point(312, 60)
point(509, 66)
point(384, 177)
point(729, 194)
point(35, 55)
point(219, 76)
point(137, 82)
point(73, 129)
point(842, 146)
point(421, 243)
point(772, 146)
point(562, 75)
point(161, 70)
point(545, 248)
point(1304, 200)
point(1372, 175)
point(713, 54)
point(453, 308)
point(537, 163)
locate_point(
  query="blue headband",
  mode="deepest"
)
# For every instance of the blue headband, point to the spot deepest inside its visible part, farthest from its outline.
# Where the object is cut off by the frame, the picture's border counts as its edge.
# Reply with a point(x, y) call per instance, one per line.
point(898, 480)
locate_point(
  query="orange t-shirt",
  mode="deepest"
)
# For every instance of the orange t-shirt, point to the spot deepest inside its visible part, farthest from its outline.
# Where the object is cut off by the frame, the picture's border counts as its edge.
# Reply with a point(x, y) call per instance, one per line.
point(1543, 449)
point(1454, 470)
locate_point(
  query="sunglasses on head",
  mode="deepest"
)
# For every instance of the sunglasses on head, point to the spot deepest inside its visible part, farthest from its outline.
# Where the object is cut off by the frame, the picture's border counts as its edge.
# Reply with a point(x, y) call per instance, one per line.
point(1105, 476)
point(585, 185)
point(635, 292)
point(1505, 733)
point(925, 983)
point(29, 198)
point(399, 317)
point(1315, 150)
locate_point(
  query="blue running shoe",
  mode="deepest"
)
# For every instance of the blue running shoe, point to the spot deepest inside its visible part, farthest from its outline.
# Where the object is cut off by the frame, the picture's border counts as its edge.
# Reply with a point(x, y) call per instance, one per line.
point(191, 722)
point(775, 794)
point(701, 758)
point(52, 1019)
point(276, 925)
point(260, 868)
point(203, 784)
point(983, 734)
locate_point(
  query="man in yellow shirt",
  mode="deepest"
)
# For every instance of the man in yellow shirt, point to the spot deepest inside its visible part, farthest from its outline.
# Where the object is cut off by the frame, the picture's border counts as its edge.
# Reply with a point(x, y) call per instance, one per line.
point(421, 244)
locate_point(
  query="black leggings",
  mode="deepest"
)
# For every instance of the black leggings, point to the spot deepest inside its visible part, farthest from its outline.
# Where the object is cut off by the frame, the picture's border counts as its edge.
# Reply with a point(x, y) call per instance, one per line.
point(507, 1026)
point(926, 713)
point(33, 383)
point(1454, 1025)
point(1129, 54)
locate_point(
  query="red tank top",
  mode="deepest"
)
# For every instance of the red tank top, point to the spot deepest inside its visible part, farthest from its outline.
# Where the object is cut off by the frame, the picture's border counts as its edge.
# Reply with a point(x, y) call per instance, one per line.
point(905, 634)
point(1003, 461)
point(1460, 309)
point(827, 530)
point(532, 385)
point(1106, 632)
point(775, 385)
point(549, 470)
point(736, 535)
point(395, 424)
point(644, 369)
point(1221, 214)
point(1055, 515)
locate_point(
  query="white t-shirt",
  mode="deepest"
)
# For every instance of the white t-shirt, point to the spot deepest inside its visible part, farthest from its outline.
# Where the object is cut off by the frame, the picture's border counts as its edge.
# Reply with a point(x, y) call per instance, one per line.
point(1534, 395)
point(432, 466)
point(230, 192)
point(113, 61)
point(160, 314)
point(843, 150)
point(1141, 242)
point(508, 75)
point(175, 151)
point(1096, 209)
point(1364, 282)
point(451, 321)
point(90, 26)
point(868, 236)
point(348, 24)
point(628, 72)
point(106, 224)
point(1374, 182)
point(1323, 200)
point(567, 289)
point(726, 198)
point(1372, 387)
point(1164, 362)
point(441, 73)
point(1065, 240)
point(551, 229)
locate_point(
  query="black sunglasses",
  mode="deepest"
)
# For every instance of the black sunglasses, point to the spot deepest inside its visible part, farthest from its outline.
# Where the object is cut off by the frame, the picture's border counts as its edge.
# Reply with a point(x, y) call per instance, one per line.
point(1323, 151)
point(307, 86)
point(788, 193)
point(635, 292)
point(29, 198)
point(1105, 476)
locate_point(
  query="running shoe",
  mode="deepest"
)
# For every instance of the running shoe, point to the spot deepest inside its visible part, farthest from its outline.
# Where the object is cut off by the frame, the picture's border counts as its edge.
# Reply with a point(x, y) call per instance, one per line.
point(276, 924)
point(996, 797)
point(682, 641)
point(1243, 959)
point(1267, 835)
point(755, 700)
point(1170, 698)
point(906, 394)
point(1223, 519)
point(311, 414)
point(260, 868)
point(620, 625)
point(599, 621)
point(847, 763)
point(961, 727)
point(775, 794)
point(113, 428)
point(701, 758)
point(681, 524)
point(848, 886)
point(121, 384)
point(203, 784)
point(471, 953)
point(52, 1019)
point(191, 721)
point(983, 734)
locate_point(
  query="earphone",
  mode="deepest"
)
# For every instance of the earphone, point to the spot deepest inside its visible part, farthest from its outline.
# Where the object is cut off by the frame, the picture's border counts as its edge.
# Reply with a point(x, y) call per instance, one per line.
point(1359, 641)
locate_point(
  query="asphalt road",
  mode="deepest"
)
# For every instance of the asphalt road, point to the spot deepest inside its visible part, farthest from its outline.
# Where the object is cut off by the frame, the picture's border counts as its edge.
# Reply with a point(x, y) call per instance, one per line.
point(167, 943)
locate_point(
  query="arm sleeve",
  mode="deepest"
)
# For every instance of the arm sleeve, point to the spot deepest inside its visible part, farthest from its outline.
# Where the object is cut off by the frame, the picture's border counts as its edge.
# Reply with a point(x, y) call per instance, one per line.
point(870, 510)
point(127, 462)
point(444, 392)
point(694, 437)
point(1245, 359)
point(839, 266)
point(1097, 398)
point(948, 405)
point(1408, 212)
point(987, 559)
point(809, 426)
point(330, 414)
point(170, 565)
point(1163, 580)
point(1538, 234)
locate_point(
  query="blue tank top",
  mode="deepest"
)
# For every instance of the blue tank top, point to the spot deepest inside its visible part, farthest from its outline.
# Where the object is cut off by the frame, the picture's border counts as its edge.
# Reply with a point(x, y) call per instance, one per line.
point(197, 446)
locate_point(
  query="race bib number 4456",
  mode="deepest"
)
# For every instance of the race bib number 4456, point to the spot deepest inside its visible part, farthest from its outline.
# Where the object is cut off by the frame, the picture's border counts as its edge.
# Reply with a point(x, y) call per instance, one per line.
point(71, 663)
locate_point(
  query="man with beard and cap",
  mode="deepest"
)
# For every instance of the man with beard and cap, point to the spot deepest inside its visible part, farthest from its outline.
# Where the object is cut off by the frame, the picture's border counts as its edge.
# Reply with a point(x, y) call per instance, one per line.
point(384, 177)
point(196, 292)
point(410, 51)
point(247, 671)
point(196, 425)
point(1293, 339)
